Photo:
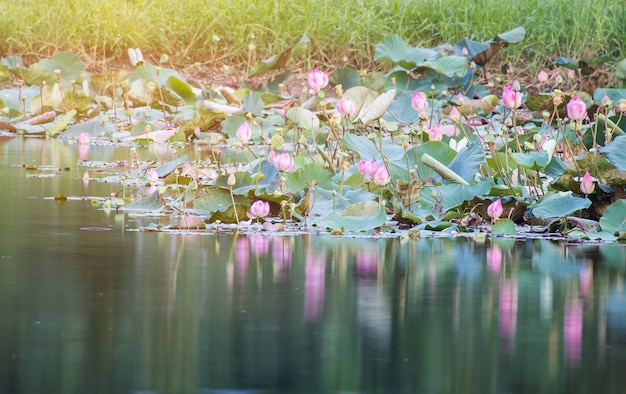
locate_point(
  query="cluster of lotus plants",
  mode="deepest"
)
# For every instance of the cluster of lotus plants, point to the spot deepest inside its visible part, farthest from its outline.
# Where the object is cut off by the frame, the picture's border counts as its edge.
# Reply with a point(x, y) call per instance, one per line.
point(435, 144)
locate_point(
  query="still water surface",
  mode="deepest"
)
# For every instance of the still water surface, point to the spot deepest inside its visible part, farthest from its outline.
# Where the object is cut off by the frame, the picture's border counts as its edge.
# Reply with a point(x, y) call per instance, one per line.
point(122, 311)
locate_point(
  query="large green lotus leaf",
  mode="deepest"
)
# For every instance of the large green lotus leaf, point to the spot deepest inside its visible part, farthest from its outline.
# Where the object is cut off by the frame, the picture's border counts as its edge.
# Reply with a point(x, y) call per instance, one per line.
point(450, 66)
point(71, 67)
point(452, 195)
point(614, 94)
point(560, 204)
point(218, 199)
point(329, 201)
point(614, 218)
point(499, 161)
point(305, 175)
point(92, 127)
point(13, 62)
point(303, 118)
point(346, 77)
point(367, 150)
point(356, 223)
point(401, 109)
point(567, 62)
point(504, 227)
point(615, 152)
point(467, 162)
point(437, 149)
point(363, 208)
point(429, 78)
point(182, 89)
point(532, 160)
point(152, 203)
point(61, 123)
point(150, 73)
point(252, 103)
point(170, 166)
point(266, 177)
point(204, 119)
point(51, 97)
point(393, 48)
point(512, 36)
point(36, 74)
point(556, 168)
point(473, 47)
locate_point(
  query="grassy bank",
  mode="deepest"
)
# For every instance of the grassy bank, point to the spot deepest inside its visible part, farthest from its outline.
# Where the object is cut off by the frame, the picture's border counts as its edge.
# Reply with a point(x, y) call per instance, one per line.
point(223, 31)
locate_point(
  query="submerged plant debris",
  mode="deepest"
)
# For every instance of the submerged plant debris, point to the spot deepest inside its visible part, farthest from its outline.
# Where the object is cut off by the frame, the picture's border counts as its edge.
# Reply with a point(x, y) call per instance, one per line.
point(435, 145)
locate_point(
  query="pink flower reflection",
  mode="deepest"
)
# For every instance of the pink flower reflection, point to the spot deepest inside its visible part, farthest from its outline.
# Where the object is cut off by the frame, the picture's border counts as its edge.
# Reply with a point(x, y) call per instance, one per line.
point(367, 263)
point(83, 150)
point(315, 269)
point(259, 245)
point(281, 254)
point(241, 258)
point(508, 314)
point(573, 331)
point(494, 258)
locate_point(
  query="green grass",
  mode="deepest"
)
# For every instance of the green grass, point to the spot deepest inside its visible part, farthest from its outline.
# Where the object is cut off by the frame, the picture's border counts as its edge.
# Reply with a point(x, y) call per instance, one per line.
point(185, 30)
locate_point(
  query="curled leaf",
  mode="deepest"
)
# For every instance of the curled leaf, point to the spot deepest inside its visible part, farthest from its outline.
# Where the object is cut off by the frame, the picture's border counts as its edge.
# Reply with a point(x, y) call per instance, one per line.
point(442, 170)
point(378, 107)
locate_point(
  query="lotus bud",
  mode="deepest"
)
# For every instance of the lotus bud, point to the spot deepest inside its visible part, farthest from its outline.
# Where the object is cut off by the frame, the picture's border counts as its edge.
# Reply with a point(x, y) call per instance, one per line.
point(284, 163)
point(559, 79)
point(232, 180)
point(367, 168)
point(345, 107)
point(419, 101)
point(606, 101)
point(576, 109)
point(435, 134)
point(495, 209)
point(455, 116)
point(317, 80)
point(511, 98)
point(516, 85)
point(244, 132)
point(542, 76)
point(586, 185)
point(381, 177)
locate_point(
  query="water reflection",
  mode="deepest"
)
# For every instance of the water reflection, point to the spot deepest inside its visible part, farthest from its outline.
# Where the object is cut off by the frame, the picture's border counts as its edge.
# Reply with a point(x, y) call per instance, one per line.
point(126, 311)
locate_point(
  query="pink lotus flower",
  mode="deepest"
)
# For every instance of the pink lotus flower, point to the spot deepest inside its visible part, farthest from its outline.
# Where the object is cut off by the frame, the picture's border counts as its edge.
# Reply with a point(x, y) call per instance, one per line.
point(586, 185)
point(455, 115)
point(576, 109)
point(419, 101)
point(367, 168)
point(381, 177)
point(495, 209)
point(510, 98)
point(317, 80)
point(284, 163)
point(259, 209)
point(345, 107)
point(435, 134)
point(244, 132)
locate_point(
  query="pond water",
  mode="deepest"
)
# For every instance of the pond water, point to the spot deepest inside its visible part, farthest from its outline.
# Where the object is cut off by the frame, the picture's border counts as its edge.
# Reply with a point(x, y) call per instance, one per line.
point(124, 311)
